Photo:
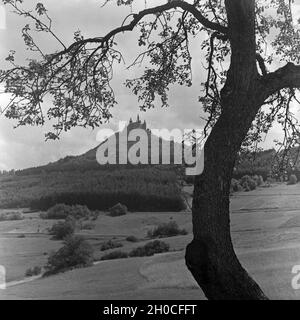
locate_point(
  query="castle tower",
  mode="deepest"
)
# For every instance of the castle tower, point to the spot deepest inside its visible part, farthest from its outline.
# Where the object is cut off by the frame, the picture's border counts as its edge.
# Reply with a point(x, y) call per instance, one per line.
point(144, 126)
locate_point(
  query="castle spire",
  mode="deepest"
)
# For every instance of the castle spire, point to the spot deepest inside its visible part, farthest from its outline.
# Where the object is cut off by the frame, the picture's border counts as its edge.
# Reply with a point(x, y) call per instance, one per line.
point(138, 118)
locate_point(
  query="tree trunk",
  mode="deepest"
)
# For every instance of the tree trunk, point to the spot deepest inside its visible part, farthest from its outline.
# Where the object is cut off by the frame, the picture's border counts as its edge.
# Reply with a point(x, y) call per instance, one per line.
point(210, 256)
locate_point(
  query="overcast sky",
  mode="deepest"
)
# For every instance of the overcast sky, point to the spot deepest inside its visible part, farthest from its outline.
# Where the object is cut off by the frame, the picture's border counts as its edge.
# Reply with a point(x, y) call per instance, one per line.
point(25, 147)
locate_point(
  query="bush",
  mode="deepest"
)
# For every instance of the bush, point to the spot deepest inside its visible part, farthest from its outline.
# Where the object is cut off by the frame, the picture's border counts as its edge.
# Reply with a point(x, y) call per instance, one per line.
point(259, 180)
point(59, 211)
point(132, 239)
point(235, 186)
point(169, 229)
point(95, 215)
point(118, 210)
point(292, 179)
point(61, 230)
point(11, 216)
point(115, 255)
point(248, 183)
point(78, 211)
point(75, 253)
point(248, 169)
point(62, 211)
point(150, 248)
point(87, 225)
point(110, 245)
point(35, 271)
point(22, 235)
point(252, 184)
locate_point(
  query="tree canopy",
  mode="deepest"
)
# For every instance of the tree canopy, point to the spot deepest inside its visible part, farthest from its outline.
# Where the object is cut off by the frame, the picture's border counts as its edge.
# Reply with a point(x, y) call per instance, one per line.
point(78, 76)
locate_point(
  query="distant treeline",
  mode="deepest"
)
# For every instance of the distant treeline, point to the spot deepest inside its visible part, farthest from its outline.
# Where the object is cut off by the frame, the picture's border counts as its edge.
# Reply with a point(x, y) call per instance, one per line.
point(144, 189)
point(254, 164)
point(265, 172)
point(103, 201)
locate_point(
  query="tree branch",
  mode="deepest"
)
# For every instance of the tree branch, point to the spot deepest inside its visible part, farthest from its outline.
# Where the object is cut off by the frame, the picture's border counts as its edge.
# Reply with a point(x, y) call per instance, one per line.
point(285, 77)
point(261, 64)
point(139, 16)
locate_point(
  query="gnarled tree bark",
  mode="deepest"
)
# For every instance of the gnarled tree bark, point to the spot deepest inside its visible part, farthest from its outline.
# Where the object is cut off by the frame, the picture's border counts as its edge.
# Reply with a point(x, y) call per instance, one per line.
point(211, 257)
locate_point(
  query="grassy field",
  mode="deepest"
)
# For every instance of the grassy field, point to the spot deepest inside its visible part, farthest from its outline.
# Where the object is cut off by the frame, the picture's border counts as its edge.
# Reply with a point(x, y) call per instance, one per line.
point(265, 232)
point(26, 243)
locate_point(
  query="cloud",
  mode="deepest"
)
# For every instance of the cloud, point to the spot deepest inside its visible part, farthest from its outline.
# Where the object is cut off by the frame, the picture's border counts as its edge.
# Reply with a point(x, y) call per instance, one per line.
point(25, 147)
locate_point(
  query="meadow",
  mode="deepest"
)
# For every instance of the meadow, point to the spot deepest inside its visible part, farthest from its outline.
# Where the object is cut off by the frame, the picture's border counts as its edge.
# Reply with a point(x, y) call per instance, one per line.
point(265, 231)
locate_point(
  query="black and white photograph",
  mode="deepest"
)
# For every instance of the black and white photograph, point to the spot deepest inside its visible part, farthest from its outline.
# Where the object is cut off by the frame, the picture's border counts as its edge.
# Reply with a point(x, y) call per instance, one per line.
point(149, 153)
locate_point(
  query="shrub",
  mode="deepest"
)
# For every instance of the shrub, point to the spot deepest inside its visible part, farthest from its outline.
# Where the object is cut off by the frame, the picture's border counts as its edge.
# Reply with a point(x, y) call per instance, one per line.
point(150, 248)
point(246, 187)
point(258, 180)
point(78, 211)
point(22, 235)
point(110, 245)
point(292, 179)
point(169, 229)
point(269, 182)
point(250, 170)
point(11, 216)
point(62, 211)
point(61, 230)
point(35, 271)
point(248, 183)
point(95, 215)
point(75, 253)
point(118, 210)
point(132, 239)
point(87, 225)
point(59, 211)
point(115, 255)
point(235, 186)
point(252, 184)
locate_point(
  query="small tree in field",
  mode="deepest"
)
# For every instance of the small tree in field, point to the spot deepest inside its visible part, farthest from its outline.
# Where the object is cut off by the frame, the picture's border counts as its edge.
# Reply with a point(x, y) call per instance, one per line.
point(75, 253)
point(246, 89)
point(63, 229)
point(292, 179)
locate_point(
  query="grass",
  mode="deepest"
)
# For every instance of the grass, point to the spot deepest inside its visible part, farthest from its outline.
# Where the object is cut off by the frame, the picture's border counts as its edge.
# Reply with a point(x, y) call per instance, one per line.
point(11, 216)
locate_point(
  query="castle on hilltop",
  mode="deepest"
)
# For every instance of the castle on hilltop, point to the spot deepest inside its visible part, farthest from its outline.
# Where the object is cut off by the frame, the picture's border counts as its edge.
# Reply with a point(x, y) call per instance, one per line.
point(138, 124)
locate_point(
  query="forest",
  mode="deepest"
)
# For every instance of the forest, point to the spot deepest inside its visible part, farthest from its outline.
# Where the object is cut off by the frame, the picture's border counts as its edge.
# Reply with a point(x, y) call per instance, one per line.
point(140, 189)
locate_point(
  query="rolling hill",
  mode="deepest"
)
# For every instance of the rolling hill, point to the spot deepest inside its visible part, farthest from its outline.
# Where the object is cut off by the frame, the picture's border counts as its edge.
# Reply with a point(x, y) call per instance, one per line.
point(81, 180)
